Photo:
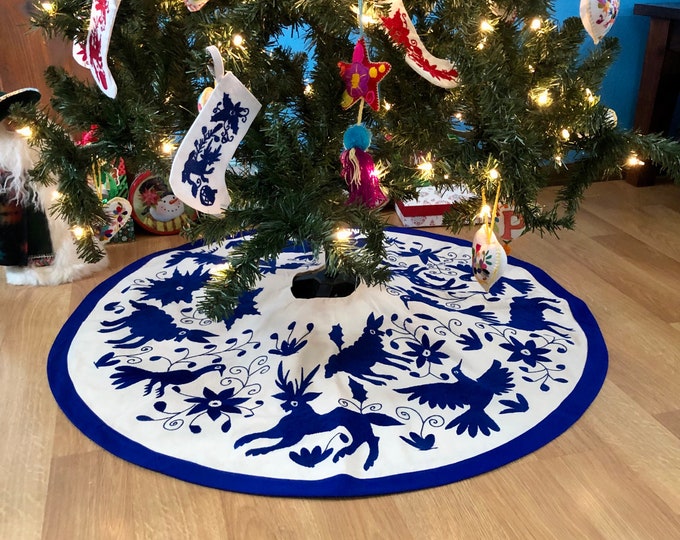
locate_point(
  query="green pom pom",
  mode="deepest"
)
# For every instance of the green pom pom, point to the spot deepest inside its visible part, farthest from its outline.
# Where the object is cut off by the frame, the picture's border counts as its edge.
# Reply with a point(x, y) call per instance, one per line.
point(357, 136)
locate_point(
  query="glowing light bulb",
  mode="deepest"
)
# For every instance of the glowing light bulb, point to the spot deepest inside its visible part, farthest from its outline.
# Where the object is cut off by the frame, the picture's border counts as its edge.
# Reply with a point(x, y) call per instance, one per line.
point(309, 90)
point(387, 105)
point(167, 148)
point(633, 161)
point(78, 232)
point(531, 68)
point(237, 40)
point(48, 7)
point(558, 160)
point(565, 134)
point(220, 270)
point(535, 24)
point(485, 212)
point(368, 17)
point(590, 98)
point(542, 98)
point(56, 195)
point(494, 174)
point(486, 26)
point(459, 116)
point(25, 131)
point(426, 166)
point(481, 44)
point(342, 235)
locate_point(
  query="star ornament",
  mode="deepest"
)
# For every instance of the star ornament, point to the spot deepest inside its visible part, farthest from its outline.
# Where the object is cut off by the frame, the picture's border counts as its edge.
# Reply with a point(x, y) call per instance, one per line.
point(361, 77)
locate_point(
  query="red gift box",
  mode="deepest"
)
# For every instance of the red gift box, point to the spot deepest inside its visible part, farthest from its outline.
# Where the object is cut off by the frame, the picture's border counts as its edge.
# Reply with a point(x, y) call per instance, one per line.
point(427, 210)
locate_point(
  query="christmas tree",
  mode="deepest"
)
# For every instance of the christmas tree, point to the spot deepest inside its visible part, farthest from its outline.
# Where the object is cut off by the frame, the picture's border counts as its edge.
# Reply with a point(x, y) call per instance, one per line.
point(495, 96)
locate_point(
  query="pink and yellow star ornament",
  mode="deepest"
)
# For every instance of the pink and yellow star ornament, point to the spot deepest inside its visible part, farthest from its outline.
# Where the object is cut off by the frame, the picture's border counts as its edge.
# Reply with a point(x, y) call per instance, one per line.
point(361, 77)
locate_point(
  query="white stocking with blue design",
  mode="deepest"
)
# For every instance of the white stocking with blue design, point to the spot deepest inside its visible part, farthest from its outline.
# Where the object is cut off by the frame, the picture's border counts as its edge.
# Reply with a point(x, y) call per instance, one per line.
point(197, 174)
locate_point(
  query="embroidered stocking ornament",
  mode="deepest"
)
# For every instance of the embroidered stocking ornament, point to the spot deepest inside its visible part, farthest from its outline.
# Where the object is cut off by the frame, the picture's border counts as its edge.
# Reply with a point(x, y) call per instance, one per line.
point(437, 71)
point(197, 174)
point(102, 16)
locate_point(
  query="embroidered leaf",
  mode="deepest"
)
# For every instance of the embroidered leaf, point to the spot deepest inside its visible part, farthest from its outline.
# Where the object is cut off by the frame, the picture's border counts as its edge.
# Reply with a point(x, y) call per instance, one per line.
point(105, 361)
point(310, 458)
point(160, 406)
point(521, 405)
point(470, 342)
point(144, 418)
point(421, 443)
point(560, 380)
point(336, 335)
point(358, 391)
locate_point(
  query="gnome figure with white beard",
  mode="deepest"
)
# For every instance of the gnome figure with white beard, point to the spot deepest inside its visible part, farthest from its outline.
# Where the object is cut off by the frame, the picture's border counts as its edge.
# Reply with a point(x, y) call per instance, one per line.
point(36, 248)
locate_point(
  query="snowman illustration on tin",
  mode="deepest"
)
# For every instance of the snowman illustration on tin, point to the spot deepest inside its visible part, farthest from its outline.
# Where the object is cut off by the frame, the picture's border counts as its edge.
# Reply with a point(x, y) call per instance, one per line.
point(167, 208)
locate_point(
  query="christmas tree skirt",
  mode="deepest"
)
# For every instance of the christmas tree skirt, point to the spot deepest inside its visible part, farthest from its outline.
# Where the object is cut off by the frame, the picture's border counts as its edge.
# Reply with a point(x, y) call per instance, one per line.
point(423, 382)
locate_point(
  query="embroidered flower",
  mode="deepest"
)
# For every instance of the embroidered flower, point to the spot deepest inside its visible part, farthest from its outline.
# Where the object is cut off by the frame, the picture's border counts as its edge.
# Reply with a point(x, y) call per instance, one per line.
point(216, 404)
point(528, 352)
point(424, 351)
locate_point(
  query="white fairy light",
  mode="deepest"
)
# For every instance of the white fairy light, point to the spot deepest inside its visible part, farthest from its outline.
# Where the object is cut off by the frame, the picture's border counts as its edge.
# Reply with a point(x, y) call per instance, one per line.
point(535, 24)
point(541, 97)
point(78, 232)
point(237, 40)
point(565, 134)
point(167, 147)
point(342, 235)
point(486, 26)
point(25, 131)
point(634, 161)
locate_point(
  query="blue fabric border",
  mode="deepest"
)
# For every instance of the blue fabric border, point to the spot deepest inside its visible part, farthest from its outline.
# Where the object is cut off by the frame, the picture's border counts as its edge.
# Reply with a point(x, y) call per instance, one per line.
point(551, 427)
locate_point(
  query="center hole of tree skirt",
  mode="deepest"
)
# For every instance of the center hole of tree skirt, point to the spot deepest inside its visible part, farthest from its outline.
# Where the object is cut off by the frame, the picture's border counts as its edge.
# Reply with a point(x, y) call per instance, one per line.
point(318, 284)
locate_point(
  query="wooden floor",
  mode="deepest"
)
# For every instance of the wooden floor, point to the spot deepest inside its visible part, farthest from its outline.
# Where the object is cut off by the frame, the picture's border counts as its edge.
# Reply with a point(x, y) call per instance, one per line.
point(615, 474)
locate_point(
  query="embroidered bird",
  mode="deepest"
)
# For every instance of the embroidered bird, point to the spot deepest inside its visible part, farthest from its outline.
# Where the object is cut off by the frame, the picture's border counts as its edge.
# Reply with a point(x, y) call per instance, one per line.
point(128, 375)
point(477, 394)
point(146, 323)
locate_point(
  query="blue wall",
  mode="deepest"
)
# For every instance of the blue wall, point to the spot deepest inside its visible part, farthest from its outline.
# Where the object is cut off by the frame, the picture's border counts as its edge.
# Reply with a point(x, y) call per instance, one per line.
point(620, 87)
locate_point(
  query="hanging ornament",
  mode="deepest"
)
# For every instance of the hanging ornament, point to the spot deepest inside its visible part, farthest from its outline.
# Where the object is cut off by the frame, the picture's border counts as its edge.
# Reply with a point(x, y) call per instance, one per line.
point(102, 17)
point(437, 71)
point(509, 225)
point(80, 54)
point(359, 171)
point(195, 5)
point(361, 77)
point(598, 17)
point(489, 259)
point(118, 211)
point(197, 174)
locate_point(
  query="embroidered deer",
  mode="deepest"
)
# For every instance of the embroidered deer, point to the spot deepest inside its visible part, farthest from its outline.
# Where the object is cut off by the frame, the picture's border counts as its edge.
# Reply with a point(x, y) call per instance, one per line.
point(360, 357)
point(528, 314)
point(302, 420)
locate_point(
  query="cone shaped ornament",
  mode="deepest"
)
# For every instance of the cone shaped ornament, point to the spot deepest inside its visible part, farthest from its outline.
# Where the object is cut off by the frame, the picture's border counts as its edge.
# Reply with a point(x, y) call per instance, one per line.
point(489, 259)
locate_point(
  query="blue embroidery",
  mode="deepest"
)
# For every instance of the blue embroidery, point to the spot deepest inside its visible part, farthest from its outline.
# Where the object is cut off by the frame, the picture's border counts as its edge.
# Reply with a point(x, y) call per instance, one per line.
point(229, 392)
point(222, 128)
